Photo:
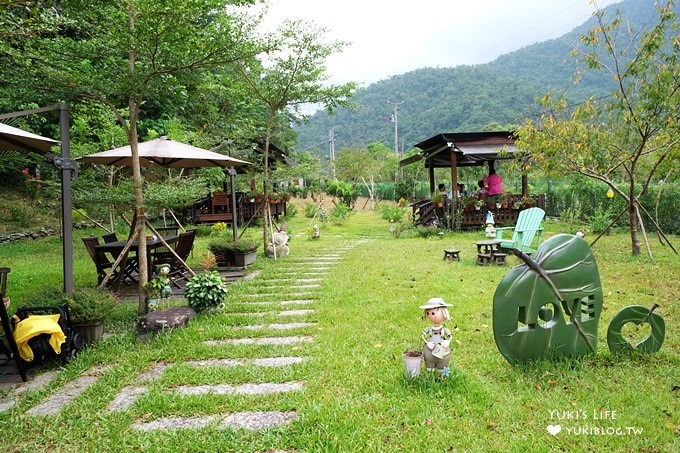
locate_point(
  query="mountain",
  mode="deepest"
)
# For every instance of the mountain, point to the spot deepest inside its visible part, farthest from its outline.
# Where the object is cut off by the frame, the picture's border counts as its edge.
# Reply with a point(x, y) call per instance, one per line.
point(468, 98)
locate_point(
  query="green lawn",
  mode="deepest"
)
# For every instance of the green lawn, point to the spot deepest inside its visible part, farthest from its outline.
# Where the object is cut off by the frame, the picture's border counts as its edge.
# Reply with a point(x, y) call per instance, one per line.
point(355, 397)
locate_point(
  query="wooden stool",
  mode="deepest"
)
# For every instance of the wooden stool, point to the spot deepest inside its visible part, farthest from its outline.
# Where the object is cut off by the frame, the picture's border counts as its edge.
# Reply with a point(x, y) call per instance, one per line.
point(452, 254)
point(483, 259)
point(499, 259)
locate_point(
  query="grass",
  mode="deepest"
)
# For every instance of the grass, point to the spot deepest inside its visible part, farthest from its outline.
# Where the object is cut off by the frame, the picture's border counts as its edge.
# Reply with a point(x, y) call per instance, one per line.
point(356, 397)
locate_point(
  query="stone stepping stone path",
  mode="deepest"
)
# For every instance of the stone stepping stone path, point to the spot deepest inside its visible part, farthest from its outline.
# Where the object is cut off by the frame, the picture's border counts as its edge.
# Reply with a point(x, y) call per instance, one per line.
point(292, 286)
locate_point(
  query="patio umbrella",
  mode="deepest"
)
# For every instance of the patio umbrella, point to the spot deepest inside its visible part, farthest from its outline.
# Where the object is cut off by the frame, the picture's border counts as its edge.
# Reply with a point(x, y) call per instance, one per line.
point(165, 153)
point(170, 153)
point(14, 139)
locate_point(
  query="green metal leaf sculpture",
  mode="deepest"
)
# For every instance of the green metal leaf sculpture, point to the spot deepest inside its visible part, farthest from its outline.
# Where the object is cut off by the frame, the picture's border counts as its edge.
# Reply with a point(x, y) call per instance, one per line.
point(550, 306)
point(636, 314)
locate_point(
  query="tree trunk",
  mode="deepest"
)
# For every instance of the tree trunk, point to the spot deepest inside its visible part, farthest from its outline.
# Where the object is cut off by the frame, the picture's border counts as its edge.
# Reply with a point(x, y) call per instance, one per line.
point(265, 214)
point(633, 219)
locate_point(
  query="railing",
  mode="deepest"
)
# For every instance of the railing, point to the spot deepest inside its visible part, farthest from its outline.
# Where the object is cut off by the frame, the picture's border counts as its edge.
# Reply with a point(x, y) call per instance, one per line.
point(426, 213)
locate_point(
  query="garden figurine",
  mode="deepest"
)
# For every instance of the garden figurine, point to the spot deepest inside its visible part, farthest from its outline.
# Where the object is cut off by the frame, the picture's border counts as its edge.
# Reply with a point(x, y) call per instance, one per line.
point(437, 338)
point(490, 230)
point(315, 232)
point(164, 271)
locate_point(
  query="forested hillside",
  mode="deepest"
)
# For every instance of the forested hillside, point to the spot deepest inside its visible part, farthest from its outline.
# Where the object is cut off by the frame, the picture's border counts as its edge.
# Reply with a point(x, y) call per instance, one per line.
point(467, 98)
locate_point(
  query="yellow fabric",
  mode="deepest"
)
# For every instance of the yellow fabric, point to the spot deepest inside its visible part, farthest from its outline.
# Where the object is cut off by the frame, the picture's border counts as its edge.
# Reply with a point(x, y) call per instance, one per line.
point(35, 325)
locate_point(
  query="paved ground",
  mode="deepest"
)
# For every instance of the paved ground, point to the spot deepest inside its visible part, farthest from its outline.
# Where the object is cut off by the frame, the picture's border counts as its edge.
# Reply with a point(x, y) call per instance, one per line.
point(300, 300)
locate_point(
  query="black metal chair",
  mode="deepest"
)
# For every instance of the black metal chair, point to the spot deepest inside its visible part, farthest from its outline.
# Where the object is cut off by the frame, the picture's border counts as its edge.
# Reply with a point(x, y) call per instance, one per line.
point(178, 271)
point(9, 347)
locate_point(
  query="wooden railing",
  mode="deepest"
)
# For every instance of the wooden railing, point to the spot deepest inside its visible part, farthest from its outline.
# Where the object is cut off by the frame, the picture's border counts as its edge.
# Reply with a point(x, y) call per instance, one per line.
point(426, 213)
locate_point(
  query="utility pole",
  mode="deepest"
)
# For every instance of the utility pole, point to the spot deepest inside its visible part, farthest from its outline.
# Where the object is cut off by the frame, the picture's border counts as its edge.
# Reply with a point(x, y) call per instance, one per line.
point(331, 153)
point(395, 120)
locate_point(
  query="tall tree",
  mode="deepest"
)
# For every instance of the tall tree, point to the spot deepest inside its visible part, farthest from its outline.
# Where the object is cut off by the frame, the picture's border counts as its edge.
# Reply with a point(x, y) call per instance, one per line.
point(293, 74)
point(626, 137)
point(121, 52)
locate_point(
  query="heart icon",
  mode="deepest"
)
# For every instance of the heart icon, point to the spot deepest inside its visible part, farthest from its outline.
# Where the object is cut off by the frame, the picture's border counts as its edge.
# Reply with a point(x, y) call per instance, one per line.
point(554, 429)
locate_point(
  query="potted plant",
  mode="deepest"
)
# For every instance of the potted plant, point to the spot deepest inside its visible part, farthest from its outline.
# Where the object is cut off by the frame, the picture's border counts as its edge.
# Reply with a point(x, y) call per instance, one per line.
point(205, 291)
point(88, 308)
point(479, 204)
point(239, 252)
point(505, 200)
point(528, 202)
point(437, 199)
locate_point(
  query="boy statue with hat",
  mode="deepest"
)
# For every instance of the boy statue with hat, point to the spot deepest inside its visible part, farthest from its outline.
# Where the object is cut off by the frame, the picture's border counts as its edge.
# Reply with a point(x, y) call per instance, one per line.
point(437, 338)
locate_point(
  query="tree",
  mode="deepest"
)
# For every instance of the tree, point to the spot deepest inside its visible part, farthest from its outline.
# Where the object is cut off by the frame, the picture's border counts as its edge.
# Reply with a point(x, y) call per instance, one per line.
point(121, 52)
point(626, 137)
point(293, 74)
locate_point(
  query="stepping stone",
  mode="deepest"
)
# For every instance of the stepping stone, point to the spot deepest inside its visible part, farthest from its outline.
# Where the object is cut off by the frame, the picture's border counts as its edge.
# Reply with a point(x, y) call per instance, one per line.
point(154, 373)
point(215, 362)
point(252, 275)
point(260, 341)
point(278, 361)
point(247, 389)
point(175, 423)
point(37, 383)
point(287, 326)
point(58, 400)
point(296, 312)
point(258, 420)
point(268, 362)
point(126, 398)
point(286, 302)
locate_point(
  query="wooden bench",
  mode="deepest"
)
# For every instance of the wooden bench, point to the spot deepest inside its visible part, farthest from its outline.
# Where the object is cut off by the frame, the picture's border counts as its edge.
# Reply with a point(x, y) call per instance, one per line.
point(451, 254)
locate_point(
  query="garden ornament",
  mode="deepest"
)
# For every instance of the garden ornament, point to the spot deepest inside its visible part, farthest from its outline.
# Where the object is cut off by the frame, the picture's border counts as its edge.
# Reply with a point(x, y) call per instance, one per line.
point(550, 306)
point(490, 230)
point(164, 271)
point(437, 338)
point(315, 232)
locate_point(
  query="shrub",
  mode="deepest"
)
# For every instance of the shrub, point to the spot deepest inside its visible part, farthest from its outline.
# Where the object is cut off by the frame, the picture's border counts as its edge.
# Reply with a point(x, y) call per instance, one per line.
point(394, 213)
point(205, 290)
point(221, 246)
point(90, 305)
point(339, 214)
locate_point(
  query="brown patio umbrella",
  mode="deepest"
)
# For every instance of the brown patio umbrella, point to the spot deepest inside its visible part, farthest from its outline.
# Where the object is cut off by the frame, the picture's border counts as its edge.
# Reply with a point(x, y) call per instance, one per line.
point(12, 138)
point(165, 153)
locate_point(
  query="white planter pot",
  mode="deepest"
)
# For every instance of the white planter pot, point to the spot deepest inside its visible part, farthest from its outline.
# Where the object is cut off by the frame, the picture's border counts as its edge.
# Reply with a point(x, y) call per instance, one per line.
point(413, 363)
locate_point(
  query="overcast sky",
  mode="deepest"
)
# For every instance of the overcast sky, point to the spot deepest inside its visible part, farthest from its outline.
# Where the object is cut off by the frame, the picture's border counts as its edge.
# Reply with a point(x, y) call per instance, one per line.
point(392, 37)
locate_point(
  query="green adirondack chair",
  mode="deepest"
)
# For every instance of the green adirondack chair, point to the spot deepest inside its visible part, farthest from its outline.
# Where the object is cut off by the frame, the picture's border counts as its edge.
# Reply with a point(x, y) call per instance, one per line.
point(527, 228)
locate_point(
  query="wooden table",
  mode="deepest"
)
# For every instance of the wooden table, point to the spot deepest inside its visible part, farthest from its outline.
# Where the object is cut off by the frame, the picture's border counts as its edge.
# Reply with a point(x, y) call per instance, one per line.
point(115, 248)
point(490, 252)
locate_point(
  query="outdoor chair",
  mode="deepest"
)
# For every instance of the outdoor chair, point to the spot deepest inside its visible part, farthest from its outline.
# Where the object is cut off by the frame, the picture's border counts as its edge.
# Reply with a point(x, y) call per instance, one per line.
point(178, 271)
point(110, 237)
point(8, 345)
point(103, 264)
point(527, 229)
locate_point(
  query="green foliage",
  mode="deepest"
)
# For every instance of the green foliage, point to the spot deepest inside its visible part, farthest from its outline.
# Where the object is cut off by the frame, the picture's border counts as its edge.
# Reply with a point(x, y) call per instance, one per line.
point(90, 305)
point(393, 213)
point(339, 214)
point(223, 245)
point(426, 232)
point(220, 228)
point(291, 210)
point(154, 286)
point(346, 192)
point(205, 291)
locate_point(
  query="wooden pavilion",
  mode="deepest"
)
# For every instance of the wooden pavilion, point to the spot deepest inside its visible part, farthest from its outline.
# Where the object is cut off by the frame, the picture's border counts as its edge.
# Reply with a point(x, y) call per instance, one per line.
point(465, 149)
